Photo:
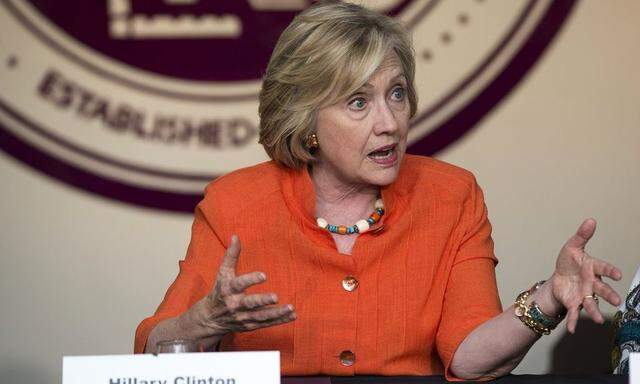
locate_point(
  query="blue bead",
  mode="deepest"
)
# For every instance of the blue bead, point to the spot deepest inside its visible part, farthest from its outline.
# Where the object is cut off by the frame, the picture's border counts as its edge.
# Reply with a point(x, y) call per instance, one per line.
point(371, 221)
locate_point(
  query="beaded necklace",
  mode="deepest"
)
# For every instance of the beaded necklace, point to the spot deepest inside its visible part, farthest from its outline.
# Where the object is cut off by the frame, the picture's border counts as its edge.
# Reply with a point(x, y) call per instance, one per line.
point(361, 226)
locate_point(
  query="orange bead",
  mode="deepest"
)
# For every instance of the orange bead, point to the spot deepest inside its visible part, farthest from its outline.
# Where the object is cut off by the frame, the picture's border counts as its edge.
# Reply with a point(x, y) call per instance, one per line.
point(375, 216)
point(342, 229)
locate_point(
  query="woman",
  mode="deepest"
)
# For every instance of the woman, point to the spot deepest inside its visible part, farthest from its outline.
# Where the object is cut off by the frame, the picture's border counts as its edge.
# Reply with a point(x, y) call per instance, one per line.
point(406, 286)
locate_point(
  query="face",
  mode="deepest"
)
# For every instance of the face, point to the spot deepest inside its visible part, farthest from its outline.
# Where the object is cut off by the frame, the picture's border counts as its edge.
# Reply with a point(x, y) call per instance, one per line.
point(363, 138)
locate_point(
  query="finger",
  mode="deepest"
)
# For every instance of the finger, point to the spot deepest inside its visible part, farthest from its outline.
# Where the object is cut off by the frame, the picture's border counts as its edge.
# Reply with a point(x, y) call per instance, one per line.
point(591, 307)
point(230, 259)
point(240, 283)
point(263, 324)
point(604, 291)
point(269, 314)
point(603, 268)
point(572, 319)
point(259, 300)
point(582, 236)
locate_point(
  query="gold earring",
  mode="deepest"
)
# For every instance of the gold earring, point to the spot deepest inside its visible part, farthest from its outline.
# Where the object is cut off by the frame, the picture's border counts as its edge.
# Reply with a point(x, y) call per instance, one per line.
point(312, 143)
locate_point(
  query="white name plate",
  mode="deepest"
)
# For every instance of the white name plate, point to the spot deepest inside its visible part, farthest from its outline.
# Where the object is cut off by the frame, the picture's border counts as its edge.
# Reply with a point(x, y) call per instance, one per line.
point(634, 368)
point(179, 368)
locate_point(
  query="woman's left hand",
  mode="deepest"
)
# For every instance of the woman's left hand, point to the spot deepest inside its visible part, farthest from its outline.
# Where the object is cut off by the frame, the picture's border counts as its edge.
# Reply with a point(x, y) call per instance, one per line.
point(577, 278)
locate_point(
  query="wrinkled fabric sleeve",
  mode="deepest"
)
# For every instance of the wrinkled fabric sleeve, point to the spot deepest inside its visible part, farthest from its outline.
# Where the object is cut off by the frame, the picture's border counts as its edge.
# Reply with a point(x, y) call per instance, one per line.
point(471, 295)
point(197, 271)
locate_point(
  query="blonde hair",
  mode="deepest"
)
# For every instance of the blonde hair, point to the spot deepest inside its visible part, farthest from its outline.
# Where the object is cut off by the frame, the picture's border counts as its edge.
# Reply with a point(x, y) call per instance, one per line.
point(327, 52)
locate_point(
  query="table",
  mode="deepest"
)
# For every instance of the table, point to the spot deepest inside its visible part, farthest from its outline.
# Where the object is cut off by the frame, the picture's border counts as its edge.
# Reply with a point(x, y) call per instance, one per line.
point(509, 379)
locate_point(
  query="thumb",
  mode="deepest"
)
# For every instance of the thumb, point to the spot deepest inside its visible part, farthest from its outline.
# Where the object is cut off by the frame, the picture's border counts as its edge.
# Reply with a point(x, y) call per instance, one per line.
point(582, 236)
point(230, 259)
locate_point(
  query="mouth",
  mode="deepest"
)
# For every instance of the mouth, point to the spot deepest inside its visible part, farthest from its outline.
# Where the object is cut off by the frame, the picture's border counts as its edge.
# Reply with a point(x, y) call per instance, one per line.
point(386, 155)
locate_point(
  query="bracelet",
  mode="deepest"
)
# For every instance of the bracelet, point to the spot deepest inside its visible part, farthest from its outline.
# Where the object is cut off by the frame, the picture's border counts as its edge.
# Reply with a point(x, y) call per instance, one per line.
point(532, 315)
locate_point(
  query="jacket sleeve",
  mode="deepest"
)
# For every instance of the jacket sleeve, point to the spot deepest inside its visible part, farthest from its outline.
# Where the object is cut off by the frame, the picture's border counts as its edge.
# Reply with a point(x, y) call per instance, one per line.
point(198, 270)
point(471, 295)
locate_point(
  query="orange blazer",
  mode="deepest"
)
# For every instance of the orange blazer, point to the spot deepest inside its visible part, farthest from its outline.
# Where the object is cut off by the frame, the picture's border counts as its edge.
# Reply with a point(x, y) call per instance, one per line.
point(425, 273)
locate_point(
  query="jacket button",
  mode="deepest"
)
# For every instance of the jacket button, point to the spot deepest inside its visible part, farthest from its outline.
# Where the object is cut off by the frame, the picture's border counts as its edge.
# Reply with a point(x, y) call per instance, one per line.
point(347, 358)
point(349, 283)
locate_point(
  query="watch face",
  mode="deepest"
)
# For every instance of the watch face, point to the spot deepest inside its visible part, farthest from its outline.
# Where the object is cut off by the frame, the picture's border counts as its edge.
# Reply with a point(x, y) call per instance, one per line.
point(147, 101)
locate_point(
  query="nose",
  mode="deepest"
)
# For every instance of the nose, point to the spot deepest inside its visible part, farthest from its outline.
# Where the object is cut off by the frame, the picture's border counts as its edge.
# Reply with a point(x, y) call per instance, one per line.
point(384, 119)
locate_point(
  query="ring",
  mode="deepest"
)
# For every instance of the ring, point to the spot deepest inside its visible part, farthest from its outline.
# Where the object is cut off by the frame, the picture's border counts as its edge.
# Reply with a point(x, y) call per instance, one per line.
point(592, 296)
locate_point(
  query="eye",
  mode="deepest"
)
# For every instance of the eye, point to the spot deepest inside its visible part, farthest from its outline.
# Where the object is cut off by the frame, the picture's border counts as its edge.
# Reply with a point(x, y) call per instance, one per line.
point(358, 104)
point(398, 94)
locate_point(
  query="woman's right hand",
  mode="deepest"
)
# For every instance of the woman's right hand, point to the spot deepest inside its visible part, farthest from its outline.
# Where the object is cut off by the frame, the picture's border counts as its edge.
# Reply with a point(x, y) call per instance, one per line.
point(228, 309)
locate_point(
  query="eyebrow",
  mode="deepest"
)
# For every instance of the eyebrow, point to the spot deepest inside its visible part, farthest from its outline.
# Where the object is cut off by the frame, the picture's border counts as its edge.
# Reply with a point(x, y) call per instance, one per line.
point(394, 78)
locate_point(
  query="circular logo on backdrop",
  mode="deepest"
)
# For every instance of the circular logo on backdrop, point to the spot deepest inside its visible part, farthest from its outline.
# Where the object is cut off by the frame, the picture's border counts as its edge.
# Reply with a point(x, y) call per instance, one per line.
point(147, 101)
